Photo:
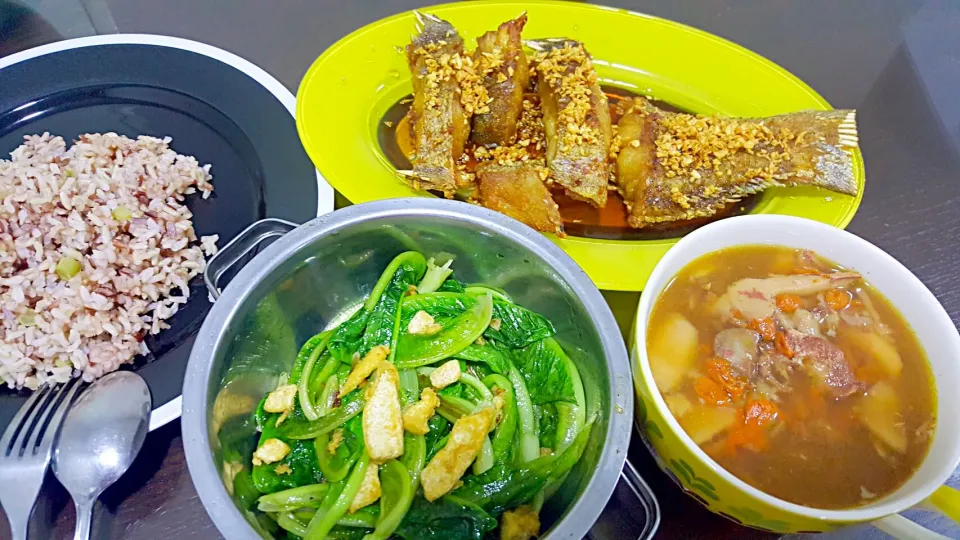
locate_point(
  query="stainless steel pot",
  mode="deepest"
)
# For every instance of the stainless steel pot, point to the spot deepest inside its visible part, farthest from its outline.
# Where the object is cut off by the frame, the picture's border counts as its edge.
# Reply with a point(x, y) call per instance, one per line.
point(311, 276)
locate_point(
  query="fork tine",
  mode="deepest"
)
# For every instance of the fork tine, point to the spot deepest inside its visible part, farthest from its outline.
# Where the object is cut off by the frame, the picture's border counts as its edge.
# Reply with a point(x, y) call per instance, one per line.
point(18, 424)
point(49, 423)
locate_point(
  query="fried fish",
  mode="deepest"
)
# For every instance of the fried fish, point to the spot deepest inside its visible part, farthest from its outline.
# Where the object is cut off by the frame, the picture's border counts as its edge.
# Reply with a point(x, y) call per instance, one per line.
point(506, 76)
point(518, 191)
point(446, 93)
point(576, 119)
point(675, 166)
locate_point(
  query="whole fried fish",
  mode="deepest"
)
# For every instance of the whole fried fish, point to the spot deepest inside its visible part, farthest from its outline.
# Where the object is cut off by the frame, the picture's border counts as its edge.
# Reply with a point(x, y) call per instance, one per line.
point(506, 75)
point(576, 119)
point(676, 166)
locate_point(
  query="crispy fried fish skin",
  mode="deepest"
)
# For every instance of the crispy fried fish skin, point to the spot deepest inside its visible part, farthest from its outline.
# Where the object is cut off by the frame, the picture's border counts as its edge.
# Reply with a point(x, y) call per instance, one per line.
point(675, 166)
point(500, 52)
point(519, 192)
point(576, 120)
point(441, 125)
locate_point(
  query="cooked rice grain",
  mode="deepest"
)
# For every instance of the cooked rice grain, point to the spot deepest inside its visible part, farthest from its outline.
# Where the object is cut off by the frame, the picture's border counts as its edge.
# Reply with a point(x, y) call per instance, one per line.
point(116, 206)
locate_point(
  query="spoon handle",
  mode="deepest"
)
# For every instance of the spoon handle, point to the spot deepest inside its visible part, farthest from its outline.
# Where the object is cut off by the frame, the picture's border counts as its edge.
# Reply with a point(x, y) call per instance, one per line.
point(84, 518)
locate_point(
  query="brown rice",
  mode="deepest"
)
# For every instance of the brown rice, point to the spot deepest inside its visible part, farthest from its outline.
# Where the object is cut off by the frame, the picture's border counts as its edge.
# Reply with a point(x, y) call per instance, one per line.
point(116, 207)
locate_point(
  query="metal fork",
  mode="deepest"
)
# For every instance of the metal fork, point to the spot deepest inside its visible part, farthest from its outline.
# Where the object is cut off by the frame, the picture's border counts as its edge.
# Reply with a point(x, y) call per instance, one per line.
point(25, 452)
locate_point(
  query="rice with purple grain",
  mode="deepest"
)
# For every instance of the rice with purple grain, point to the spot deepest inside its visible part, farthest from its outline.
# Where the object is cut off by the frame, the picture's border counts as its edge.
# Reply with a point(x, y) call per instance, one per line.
point(96, 250)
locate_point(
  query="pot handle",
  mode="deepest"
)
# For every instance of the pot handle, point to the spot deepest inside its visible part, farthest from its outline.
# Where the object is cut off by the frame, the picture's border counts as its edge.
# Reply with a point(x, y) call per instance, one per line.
point(645, 498)
point(242, 244)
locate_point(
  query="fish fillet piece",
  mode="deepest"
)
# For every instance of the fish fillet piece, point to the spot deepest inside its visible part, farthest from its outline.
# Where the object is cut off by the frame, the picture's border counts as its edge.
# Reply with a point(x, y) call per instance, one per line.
point(463, 445)
point(382, 416)
point(676, 166)
point(370, 489)
point(519, 192)
point(447, 91)
point(507, 74)
point(576, 119)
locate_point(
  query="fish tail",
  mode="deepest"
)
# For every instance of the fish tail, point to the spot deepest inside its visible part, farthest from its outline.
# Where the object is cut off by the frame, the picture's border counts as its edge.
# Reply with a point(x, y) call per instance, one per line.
point(848, 130)
point(834, 165)
point(824, 142)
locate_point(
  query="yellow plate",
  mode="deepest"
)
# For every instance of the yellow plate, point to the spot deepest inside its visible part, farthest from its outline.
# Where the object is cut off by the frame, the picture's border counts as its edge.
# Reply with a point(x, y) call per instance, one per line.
point(347, 90)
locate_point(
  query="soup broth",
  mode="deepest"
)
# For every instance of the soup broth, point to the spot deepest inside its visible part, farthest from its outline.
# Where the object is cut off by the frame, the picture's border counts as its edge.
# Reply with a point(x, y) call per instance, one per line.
point(794, 375)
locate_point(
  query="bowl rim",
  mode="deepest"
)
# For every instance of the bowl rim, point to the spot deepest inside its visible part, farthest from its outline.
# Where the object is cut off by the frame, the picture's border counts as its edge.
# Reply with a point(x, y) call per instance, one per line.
point(207, 480)
point(644, 375)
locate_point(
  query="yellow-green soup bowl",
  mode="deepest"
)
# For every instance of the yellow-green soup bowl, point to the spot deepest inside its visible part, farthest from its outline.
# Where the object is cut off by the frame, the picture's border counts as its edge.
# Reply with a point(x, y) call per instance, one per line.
point(725, 494)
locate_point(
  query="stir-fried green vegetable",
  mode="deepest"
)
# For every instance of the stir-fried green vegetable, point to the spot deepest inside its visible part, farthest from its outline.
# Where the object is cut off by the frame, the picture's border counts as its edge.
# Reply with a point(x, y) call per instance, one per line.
point(413, 350)
point(422, 415)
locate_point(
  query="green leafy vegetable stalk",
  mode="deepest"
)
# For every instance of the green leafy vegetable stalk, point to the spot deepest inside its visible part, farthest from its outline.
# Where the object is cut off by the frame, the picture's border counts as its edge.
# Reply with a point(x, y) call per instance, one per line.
point(383, 304)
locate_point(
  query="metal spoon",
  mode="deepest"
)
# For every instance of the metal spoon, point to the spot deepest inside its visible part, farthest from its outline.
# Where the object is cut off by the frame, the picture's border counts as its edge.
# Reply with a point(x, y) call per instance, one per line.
point(101, 435)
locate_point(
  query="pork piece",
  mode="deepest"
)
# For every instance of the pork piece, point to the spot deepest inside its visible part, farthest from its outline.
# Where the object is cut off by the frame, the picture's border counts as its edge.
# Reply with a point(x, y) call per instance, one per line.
point(518, 191)
point(773, 372)
point(441, 124)
point(506, 76)
point(825, 362)
point(576, 120)
point(756, 298)
point(738, 346)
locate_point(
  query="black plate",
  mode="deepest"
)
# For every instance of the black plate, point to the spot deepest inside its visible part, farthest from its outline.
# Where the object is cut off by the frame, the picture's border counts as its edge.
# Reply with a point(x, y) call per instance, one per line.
point(213, 110)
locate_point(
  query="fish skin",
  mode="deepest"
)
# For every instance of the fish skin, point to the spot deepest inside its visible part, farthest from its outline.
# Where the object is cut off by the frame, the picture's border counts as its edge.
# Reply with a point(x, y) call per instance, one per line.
point(652, 197)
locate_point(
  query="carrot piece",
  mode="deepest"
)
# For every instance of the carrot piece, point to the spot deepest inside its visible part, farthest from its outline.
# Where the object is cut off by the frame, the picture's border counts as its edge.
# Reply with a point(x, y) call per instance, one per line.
point(753, 422)
point(837, 298)
point(710, 392)
point(721, 372)
point(749, 437)
point(704, 350)
point(780, 342)
point(766, 327)
point(788, 303)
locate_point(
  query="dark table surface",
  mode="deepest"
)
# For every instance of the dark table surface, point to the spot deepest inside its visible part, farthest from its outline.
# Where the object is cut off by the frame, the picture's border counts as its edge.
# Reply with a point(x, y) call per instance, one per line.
point(896, 61)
